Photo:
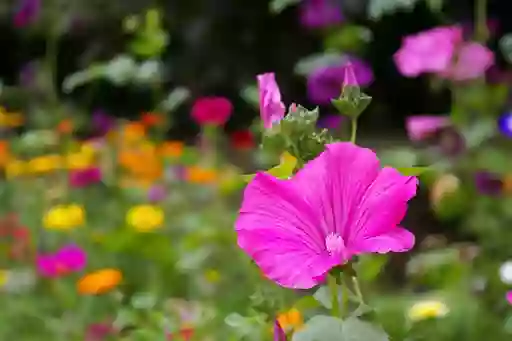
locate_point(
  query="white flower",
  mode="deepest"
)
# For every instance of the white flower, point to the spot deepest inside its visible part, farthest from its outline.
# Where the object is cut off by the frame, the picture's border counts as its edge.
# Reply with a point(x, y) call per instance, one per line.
point(506, 272)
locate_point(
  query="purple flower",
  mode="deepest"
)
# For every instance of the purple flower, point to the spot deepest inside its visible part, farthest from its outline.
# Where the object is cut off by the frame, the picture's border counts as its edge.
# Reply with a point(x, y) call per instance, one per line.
point(101, 122)
point(69, 258)
point(27, 12)
point(331, 121)
point(326, 83)
point(505, 124)
point(279, 334)
point(324, 215)
point(320, 13)
point(157, 193)
point(488, 183)
point(84, 177)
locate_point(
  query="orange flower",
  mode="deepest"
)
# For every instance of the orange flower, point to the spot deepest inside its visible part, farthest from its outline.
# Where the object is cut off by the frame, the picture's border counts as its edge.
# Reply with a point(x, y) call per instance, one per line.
point(142, 164)
point(507, 184)
point(150, 119)
point(4, 153)
point(133, 131)
point(171, 149)
point(65, 127)
point(99, 282)
point(200, 175)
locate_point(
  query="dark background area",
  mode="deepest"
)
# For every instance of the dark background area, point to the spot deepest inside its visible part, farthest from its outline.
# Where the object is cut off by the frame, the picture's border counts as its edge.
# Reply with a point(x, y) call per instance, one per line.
point(218, 46)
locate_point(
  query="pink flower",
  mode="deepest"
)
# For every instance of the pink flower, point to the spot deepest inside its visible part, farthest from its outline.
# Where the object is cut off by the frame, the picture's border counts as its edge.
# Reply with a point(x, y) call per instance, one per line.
point(84, 177)
point(428, 51)
point(473, 60)
point(340, 205)
point(272, 109)
point(211, 111)
point(279, 334)
point(423, 126)
point(70, 258)
point(509, 297)
point(99, 331)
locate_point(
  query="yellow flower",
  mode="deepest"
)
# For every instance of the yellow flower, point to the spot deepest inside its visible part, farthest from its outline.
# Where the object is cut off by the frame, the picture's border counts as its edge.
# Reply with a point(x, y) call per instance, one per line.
point(427, 309)
point(212, 276)
point(64, 217)
point(80, 160)
point(291, 320)
point(44, 164)
point(145, 218)
point(4, 277)
point(15, 168)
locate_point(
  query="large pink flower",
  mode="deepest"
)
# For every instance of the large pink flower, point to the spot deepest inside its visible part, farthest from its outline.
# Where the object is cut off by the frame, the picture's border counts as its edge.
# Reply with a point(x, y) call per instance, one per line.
point(339, 205)
point(272, 108)
point(428, 51)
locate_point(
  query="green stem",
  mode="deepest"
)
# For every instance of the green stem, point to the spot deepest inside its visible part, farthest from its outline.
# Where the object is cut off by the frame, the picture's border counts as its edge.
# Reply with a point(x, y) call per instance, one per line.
point(353, 130)
point(333, 287)
point(357, 289)
point(481, 30)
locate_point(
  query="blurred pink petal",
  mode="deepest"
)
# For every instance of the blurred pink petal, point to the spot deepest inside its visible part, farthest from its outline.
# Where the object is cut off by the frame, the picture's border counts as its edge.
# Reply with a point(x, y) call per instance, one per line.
point(420, 127)
point(509, 297)
point(272, 108)
point(473, 60)
point(297, 230)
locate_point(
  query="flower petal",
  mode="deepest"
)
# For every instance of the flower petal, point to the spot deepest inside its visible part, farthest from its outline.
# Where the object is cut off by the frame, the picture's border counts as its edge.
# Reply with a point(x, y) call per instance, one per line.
point(420, 127)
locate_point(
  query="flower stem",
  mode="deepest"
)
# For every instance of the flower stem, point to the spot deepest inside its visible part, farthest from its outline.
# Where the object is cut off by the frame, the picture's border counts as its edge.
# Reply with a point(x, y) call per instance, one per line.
point(481, 30)
point(357, 289)
point(333, 287)
point(354, 130)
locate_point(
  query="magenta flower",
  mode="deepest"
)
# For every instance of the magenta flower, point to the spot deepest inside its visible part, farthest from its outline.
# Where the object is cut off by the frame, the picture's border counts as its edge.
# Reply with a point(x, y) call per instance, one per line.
point(69, 258)
point(27, 13)
point(272, 109)
point(330, 121)
point(99, 332)
point(84, 177)
point(326, 83)
point(157, 193)
point(340, 205)
point(320, 13)
point(211, 110)
point(102, 123)
point(488, 183)
point(424, 126)
point(473, 60)
point(508, 296)
point(430, 51)
point(279, 334)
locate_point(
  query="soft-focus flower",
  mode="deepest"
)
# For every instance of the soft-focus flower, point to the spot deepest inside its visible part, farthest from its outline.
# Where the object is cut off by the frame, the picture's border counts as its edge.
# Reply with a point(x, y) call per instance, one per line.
point(101, 122)
point(320, 13)
point(157, 193)
point(242, 140)
point(508, 296)
point(27, 12)
point(10, 119)
point(99, 282)
point(64, 217)
point(84, 177)
point(145, 218)
point(325, 83)
point(132, 132)
point(473, 60)
point(430, 51)
point(332, 121)
point(184, 334)
point(279, 333)
point(15, 168)
point(505, 124)
point(488, 183)
point(272, 109)
point(507, 184)
point(79, 160)
point(5, 155)
point(445, 185)
point(44, 164)
point(291, 320)
point(211, 111)
point(324, 215)
point(423, 126)
point(19, 280)
point(151, 119)
point(4, 275)
point(427, 309)
point(65, 127)
point(171, 149)
point(201, 175)
point(99, 332)
point(68, 259)
point(17, 234)
point(506, 272)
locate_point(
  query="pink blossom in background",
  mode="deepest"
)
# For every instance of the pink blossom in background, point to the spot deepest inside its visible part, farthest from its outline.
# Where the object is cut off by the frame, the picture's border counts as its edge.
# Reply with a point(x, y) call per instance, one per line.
point(429, 51)
point(27, 12)
point(99, 332)
point(84, 177)
point(423, 126)
point(340, 205)
point(473, 60)
point(330, 121)
point(211, 111)
point(69, 258)
point(325, 83)
point(272, 109)
point(320, 13)
point(509, 297)
point(157, 193)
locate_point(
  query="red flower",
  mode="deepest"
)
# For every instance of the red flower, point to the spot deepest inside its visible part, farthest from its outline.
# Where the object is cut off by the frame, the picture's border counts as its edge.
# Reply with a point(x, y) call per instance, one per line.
point(185, 334)
point(211, 110)
point(242, 139)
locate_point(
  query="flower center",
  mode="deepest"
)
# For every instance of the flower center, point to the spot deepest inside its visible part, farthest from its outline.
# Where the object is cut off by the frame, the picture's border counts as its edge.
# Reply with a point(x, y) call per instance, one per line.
point(334, 243)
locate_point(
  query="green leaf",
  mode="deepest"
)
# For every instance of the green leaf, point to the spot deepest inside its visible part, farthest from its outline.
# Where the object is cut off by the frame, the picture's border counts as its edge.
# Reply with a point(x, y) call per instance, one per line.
point(282, 171)
point(348, 38)
point(250, 95)
point(506, 47)
point(277, 6)
point(175, 98)
point(412, 171)
point(369, 267)
point(379, 8)
point(309, 64)
point(328, 328)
